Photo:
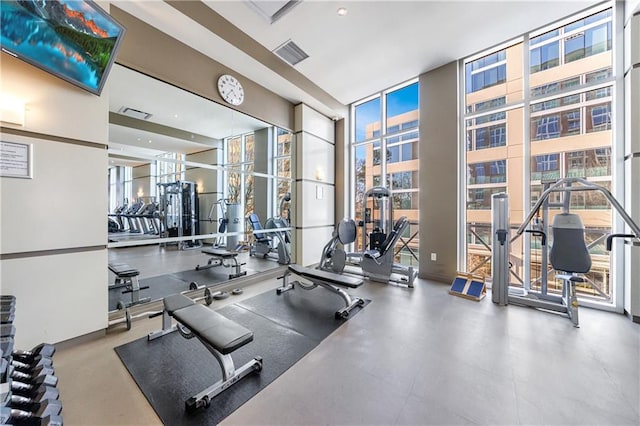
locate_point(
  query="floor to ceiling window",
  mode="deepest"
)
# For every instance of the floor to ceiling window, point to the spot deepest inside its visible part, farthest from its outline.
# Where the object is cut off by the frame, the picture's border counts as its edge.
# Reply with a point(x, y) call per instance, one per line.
point(239, 186)
point(282, 165)
point(537, 110)
point(385, 153)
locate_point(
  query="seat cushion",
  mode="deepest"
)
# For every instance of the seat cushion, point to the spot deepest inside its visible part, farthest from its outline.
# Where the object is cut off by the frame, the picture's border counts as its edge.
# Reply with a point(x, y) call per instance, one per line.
point(123, 270)
point(326, 276)
point(218, 331)
point(220, 253)
point(177, 301)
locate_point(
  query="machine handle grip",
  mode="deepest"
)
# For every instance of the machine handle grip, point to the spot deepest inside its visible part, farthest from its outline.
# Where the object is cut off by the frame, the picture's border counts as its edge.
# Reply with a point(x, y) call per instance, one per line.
point(502, 236)
point(536, 232)
point(612, 236)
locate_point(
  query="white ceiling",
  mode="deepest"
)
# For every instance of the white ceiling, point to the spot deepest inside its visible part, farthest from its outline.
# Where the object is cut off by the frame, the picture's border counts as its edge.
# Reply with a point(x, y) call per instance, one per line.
point(377, 45)
point(171, 107)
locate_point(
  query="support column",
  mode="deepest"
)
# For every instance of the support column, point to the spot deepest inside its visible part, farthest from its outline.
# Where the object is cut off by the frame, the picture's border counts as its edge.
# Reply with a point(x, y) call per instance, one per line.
point(314, 201)
point(632, 161)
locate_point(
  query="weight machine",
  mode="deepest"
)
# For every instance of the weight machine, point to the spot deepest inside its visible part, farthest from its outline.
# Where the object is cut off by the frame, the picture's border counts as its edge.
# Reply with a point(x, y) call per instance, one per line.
point(376, 260)
point(178, 210)
point(567, 254)
point(263, 244)
point(228, 221)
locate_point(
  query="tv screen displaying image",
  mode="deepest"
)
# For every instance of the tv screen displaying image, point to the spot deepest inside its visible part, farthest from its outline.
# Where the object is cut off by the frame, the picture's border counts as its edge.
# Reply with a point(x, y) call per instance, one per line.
point(74, 40)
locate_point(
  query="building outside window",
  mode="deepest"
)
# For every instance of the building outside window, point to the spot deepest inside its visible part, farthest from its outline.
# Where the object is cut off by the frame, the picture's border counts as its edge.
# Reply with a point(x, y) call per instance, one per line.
point(385, 141)
point(282, 166)
point(570, 87)
point(239, 151)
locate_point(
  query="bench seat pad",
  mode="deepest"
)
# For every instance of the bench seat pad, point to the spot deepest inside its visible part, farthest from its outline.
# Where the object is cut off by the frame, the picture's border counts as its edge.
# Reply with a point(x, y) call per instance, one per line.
point(123, 270)
point(177, 301)
point(220, 253)
point(328, 277)
point(220, 332)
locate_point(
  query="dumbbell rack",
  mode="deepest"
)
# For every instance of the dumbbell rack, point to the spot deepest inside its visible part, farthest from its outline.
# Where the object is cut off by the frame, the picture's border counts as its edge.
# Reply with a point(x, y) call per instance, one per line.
point(28, 392)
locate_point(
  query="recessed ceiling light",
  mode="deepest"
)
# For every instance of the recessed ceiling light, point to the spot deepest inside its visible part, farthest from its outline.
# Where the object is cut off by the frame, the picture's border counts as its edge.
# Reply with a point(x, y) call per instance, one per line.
point(149, 140)
point(342, 11)
point(175, 115)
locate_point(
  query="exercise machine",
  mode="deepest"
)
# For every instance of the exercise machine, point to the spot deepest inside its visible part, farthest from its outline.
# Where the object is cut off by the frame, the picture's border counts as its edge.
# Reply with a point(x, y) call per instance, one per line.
point(263, 244)
point(178, 211)
point(376, 264)
point(221, 257)
point(567, 252)
point(329, 280)
point(127, 277)
point(219, 335)
point(229, 220)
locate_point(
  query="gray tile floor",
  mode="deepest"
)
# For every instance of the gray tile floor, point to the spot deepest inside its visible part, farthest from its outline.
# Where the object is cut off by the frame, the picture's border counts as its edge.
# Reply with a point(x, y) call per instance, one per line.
point(418, 356)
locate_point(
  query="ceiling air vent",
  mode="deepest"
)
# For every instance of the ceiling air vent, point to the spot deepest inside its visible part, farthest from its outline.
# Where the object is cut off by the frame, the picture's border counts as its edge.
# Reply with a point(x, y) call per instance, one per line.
point(274, 9)
point(291, 53)
point(131, 112)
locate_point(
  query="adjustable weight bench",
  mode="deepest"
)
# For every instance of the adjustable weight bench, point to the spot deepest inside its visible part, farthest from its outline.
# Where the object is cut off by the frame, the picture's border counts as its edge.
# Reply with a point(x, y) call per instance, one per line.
point(127, 277)
point(328, 280)
point(220, 335)
point(218, 257)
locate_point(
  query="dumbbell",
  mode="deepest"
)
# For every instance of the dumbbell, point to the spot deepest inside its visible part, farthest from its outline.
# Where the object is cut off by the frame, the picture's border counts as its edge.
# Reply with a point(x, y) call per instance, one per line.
point(20, 417)
point(37, 394)
point(7, 330)
point(209, 296)
point(38, 361)
point(39, 380)
point(34, 391)
point(39, 370)
point(52, 407)
point(43, 349)
point(10, 370)
point(7, 317)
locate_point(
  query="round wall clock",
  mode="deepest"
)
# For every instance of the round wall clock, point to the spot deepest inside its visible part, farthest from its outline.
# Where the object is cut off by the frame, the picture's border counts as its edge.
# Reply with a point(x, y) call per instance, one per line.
point(230, 89)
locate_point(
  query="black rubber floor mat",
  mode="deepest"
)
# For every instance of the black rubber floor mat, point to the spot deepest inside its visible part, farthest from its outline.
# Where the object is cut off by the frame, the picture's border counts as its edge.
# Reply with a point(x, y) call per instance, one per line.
point(159, 287)
point(171, 369)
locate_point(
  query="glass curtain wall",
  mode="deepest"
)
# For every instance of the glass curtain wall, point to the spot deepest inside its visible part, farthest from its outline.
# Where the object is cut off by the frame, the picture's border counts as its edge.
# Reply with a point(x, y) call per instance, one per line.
point(537, 111)
point(385, 153)
point(169, 171)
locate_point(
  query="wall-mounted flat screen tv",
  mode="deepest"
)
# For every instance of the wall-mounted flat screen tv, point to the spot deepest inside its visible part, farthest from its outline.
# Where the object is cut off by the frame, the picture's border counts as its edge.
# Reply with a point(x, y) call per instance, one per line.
point(74, 40)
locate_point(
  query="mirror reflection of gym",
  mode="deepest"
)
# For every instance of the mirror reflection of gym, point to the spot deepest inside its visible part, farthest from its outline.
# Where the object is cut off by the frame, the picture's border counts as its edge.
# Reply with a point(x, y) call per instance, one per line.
point(174, 190)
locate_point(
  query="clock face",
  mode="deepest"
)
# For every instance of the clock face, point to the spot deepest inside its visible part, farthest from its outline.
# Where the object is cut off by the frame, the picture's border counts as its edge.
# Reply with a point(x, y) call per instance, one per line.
point(230, 89)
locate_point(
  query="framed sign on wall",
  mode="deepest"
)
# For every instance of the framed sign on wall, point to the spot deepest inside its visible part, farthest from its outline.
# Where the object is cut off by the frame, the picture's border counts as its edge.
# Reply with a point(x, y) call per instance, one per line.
point(16, 160)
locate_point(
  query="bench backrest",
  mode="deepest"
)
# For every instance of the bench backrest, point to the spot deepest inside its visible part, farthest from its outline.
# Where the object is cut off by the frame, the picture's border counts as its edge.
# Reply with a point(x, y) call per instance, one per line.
point(569, 252)
point(254, 220)
point(346, 231)
point(395, 234)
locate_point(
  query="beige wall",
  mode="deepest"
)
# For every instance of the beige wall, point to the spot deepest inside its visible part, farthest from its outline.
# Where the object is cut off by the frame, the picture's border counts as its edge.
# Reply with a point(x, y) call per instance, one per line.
point(438, 172)
point(53, 253)
point(154, 53)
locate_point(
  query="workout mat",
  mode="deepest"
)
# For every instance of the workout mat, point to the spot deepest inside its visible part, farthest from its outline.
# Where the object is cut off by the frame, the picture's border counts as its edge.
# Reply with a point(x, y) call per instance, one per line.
point(171, 369)
point(159, 287)
point(210, 276)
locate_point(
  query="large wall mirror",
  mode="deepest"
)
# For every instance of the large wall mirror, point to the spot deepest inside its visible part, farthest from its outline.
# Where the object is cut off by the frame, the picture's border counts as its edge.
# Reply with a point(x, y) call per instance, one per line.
point(185, 175)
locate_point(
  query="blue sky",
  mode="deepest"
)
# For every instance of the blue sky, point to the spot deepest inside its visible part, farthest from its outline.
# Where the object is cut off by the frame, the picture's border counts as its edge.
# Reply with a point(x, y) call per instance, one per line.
point(398, 102)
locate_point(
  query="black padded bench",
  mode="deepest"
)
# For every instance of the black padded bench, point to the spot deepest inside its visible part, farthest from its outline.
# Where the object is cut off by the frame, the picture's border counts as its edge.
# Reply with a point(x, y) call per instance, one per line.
point(220, 335)
point(127, 277)
point(218, 257)
point(328, 280)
